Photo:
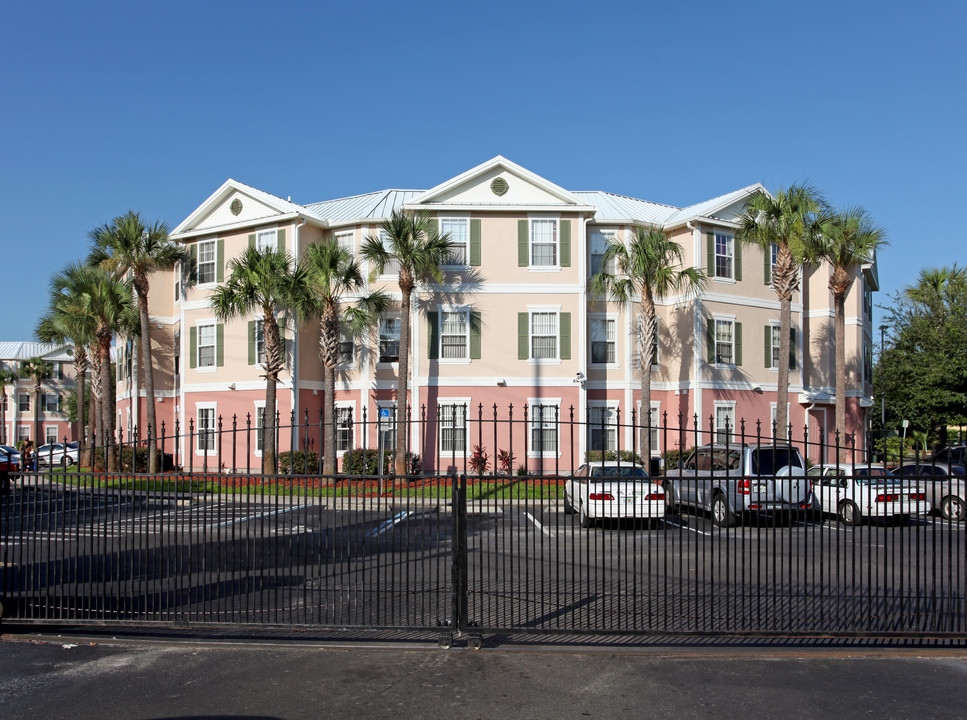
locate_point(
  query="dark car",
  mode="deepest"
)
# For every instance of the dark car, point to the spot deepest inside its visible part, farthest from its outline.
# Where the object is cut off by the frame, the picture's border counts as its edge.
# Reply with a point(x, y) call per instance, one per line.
point(942, 483)
point(952, 454)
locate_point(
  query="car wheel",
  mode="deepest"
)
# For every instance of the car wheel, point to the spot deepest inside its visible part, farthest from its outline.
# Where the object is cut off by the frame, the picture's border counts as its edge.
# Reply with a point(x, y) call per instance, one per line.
point(670, 503)
point(68, 460)
point(952, 508)
point(586, 522)
point(848, 513)
point(568, 507)
point(722, 515)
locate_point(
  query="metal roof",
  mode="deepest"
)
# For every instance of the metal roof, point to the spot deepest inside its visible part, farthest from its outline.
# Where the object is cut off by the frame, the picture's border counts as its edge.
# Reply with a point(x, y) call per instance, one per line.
point(611, 207)
point(18, 350)
point(371, 206)
point(708, 208)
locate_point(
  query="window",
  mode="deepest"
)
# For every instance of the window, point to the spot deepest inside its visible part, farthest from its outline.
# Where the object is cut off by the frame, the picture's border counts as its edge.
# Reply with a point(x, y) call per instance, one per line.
point(724, 342)
point(266, 240)
point(206, 345)
point(603, 424)
point(654, 427)
point(177, 353)
point(50, 433)
point(59, 371)
point(347, 241)
point(51, 403)
point(389, 339)
point(454, 334)
point(600, 240)
point(23, 432)
point(206, 430)
point(177, 274)
point(867, 299)
point(259, 424)
point(776, 334)
point(724, 422)
point(724, 255)
point(603, 335)
point(543, 429)
point(344, 428)
point(206, 262)
point(453, 429)
point(543, 327)
point(458, 230)
point(23, 403)
point(391, 268)
point(347, 349)
point(260, 341)
point(543, 250)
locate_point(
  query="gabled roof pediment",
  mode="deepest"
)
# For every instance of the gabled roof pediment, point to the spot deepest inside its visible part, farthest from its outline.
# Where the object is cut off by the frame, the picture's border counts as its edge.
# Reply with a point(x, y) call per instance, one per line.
point(725, 207)
point(499, 183)
point(236, 204)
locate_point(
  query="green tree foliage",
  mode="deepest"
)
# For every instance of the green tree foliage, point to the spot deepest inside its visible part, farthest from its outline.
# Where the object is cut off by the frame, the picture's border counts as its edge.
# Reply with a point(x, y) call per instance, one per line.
point(922, 371)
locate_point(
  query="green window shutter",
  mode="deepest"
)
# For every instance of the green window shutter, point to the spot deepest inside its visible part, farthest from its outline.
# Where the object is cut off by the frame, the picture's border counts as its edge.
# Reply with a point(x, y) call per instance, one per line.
point(523, 249)
point(565, 336)
point(792, 348)
point(737, 343)
point(280, 245)
point(475, 242)
point(710, 252)
point(219, 344)
point(768, 346)
point(433, 335)
point(523, 336)
point(220, 261)
point(193, 347)
point(474, 335)
point(565, 243)
point(767, 266)
point(251, 241)
point(710, 340)
point(252, 346)
point(737, 252)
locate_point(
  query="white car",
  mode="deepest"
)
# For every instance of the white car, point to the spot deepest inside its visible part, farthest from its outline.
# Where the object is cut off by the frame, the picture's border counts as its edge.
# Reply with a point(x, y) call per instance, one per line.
point(55, 454)
point(854, 492)
point(612, 489)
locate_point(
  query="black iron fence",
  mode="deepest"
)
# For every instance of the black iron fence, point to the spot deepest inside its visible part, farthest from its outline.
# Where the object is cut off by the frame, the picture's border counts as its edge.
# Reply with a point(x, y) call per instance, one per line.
point(725, 539)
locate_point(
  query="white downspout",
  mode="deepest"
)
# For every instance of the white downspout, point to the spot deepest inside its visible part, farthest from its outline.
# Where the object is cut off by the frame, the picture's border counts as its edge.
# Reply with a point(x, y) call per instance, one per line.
point(697, 330)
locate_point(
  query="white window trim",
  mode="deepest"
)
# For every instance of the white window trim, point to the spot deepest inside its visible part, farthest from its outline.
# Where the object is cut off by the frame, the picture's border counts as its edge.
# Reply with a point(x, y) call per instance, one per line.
point(556, 267)
point(214, 408)
point(603, 316)
point(461, 218)
point(261, 239)
point(715, 276)
point(776, 327)
point(729, 319)
point(549, 404)
point(340, 238)
point(465, 402)
point(20, 404)
point(395, 363)
point(47, 435)
point(609, 405)
point(612, 232)
point(46, 406)
point(384, 240)
point(256, 451)
point(728, 405)
point(357, 350)
point(342, 405)
point(214, 263)
point(465, 309)
point(656, 409)
point(531, 310)
point(198, 366)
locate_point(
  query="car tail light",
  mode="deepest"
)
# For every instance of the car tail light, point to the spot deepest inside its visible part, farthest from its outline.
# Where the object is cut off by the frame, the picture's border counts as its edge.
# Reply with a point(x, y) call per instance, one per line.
point(601, 496)
point(887, 497)
point(655, 496)
point(753, 507)
point(745, 487)
point(918, 496)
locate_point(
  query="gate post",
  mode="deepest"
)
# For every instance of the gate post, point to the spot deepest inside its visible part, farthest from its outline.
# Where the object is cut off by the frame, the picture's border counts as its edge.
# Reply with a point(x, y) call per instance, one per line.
point(459, 566)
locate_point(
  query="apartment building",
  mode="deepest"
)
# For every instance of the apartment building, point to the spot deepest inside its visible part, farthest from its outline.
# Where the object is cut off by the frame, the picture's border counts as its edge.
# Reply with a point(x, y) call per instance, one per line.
point(511, 326)
point(18, 410)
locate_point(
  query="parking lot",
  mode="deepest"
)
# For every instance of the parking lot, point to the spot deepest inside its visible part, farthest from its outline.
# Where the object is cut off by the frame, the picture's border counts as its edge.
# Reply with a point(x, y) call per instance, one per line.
point(82, 554)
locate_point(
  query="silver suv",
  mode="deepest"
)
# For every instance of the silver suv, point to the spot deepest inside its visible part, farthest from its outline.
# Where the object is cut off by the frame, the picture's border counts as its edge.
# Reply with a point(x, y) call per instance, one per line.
point(727, 480)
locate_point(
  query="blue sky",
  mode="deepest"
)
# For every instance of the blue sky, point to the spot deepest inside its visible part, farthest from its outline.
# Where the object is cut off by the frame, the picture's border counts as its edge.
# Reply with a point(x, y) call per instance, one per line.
point(111, 106)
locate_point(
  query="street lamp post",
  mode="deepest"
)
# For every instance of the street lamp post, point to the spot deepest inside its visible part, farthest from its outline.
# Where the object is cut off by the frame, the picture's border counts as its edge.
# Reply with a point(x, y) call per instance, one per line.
point(882, 394)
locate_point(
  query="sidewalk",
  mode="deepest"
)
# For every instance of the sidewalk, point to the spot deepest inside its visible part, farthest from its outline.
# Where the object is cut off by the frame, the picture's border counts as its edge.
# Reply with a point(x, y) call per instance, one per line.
point(135, 678)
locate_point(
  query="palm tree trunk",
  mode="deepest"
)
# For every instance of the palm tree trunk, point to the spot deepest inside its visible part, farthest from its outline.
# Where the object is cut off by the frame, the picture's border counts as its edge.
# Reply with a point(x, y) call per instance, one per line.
point(37, 412)
point(147, 360)
point(403, 382)
point(329, 436)
point(274, 359)
point(81, 410)
point(107, 400)
point(646, 332)
point(94, 406)
point(839, 303)
point(782, 391)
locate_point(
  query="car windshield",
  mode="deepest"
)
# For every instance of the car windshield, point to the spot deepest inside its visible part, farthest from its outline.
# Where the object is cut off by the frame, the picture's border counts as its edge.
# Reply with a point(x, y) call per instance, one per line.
point(626, 472)
point(873, 472)
point(766, 461)
point(877, 481)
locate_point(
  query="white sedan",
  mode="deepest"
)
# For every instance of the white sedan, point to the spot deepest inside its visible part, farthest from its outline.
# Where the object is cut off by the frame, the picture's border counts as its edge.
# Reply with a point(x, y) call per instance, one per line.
point(609, 489)
point(55, 454)
point(854, 492)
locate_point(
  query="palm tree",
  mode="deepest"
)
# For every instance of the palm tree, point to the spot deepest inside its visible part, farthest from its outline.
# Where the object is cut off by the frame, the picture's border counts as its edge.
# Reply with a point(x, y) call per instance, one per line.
point(332, 274)
point(848, 240)
point(264, 282)
point(108, 305)
point(934, 286)
point(649, 266)
point(37, 369)
point(414, 242)
point(128, 245)
point(785, 220)
point(8, 376)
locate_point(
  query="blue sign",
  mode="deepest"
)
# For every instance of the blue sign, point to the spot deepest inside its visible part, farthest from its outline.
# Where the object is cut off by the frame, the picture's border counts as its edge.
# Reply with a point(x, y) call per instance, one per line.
point(384, 412)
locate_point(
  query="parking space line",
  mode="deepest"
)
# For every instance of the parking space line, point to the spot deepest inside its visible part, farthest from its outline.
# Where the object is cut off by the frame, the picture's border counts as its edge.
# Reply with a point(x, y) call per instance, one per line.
point(539, 525)
point(686, 527)
point(389, 524)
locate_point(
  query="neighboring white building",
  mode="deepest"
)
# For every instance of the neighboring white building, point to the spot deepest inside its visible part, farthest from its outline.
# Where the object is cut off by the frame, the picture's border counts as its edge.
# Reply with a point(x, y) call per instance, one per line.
point(18, 415)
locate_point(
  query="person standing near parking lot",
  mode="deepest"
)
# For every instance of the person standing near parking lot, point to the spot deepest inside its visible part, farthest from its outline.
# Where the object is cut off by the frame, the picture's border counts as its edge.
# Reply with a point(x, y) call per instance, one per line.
point(27, 455)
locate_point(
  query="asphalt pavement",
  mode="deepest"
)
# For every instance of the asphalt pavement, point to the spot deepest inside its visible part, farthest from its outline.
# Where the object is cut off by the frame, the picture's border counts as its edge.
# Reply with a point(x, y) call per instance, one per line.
point(74, 677)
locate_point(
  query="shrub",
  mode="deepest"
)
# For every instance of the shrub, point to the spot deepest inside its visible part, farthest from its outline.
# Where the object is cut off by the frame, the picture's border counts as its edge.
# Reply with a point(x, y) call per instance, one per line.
point(626, 456)
point(365, 461)
point(505, 461)
point(300, 462)
point(134, 459)
point(521, 471)
point(479, 460)
point(673, 457)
